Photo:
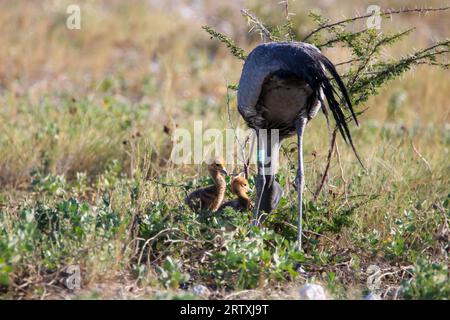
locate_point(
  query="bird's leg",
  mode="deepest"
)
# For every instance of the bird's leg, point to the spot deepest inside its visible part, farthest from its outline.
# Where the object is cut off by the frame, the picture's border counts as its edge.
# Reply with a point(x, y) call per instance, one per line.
point(300, 124)
point(259, 193)
point(260, 158)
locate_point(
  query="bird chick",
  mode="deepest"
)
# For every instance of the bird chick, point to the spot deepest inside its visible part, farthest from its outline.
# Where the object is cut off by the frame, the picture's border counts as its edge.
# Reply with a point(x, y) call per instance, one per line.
point(211, 197)
point(239, 187)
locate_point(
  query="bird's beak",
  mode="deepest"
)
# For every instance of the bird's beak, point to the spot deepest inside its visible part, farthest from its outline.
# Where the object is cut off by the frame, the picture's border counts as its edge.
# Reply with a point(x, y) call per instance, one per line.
point(224, 172)
point(248, 189)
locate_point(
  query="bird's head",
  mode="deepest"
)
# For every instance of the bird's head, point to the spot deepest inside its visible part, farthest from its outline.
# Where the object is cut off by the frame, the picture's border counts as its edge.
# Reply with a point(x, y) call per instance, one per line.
point(216, 165)
point(239, 185)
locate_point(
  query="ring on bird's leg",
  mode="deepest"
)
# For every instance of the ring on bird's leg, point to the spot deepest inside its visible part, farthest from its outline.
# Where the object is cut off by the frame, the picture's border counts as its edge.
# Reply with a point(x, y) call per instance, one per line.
point(300, 124)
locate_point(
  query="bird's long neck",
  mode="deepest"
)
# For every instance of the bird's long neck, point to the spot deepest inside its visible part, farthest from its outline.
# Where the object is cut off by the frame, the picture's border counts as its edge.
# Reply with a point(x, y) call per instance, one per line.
point(220, 187)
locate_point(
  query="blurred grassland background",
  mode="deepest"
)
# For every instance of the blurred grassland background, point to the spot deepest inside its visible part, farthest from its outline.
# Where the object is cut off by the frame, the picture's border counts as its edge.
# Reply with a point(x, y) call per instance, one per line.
point(84, 112)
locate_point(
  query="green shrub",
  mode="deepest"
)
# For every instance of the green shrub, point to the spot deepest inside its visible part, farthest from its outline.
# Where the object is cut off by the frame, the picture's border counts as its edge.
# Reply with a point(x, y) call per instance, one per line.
point(430, 281)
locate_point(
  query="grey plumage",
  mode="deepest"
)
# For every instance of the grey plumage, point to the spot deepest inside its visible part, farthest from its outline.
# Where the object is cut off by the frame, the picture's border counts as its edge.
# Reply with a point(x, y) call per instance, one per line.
point(305, 62)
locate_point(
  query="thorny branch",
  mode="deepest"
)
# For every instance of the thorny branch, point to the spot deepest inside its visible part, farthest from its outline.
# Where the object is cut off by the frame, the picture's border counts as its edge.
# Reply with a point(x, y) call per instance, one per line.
point(241, 146)
point(252, 19)
point(387, 12)
point(327, 168)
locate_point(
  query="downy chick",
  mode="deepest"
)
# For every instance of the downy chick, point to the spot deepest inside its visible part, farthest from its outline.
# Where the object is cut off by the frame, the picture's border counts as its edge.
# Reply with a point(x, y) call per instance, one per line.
point(211, 197)
point(239, 187)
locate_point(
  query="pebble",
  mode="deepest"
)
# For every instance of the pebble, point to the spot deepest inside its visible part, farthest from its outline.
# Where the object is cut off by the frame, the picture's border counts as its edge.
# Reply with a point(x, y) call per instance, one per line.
point(312, 292)
point(372, 296)
point(200, 290)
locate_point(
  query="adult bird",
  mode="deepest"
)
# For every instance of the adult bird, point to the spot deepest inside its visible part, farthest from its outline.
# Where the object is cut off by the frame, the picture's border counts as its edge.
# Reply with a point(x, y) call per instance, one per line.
point(282, 87)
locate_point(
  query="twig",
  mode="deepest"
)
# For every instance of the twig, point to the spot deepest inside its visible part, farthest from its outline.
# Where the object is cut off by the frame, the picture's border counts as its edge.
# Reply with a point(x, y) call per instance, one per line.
point(325, 173)
point(337, 39)
point(347, 62)
point(239, 293)
point(137, 239)
point(363, 65)
point(165, 184)
point(383, 13)
point(311, 232)
point(286, 9)
point(287, 15)
point(421, 157)
point(338, 155)
point(150, 241)
point(265, 34)
point(235, 50)
point(321, 235)
point(241, 147)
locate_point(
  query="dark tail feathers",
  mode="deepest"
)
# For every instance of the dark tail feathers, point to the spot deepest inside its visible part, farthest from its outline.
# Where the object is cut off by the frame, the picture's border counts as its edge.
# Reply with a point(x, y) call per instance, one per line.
point(334, 105)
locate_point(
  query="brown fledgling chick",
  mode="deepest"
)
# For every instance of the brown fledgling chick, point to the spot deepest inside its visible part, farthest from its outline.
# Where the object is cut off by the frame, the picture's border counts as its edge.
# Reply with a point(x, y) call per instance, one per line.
point(239, 187)
point(210, 198)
